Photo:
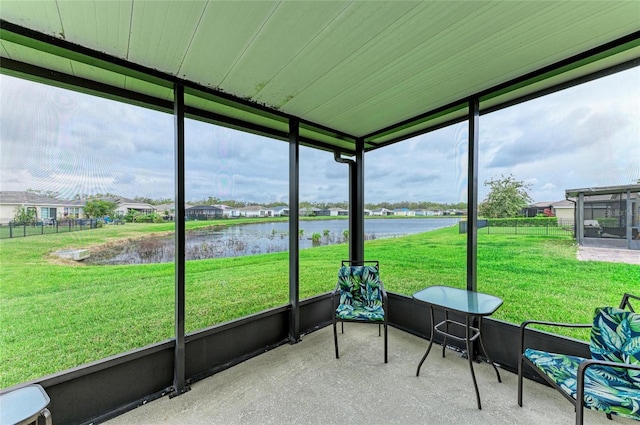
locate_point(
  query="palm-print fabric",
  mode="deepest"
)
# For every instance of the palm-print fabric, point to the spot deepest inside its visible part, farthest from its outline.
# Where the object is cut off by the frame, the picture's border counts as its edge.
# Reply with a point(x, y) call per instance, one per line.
point(615, 336)
point(360, 294)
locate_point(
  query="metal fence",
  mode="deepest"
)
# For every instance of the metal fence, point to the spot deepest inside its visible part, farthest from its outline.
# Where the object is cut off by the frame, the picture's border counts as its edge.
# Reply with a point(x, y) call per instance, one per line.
point(32, 228)
point(563, 227)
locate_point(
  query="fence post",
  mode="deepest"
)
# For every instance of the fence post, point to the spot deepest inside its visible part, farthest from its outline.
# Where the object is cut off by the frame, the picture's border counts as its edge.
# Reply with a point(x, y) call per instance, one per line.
point(24, 230)
point(10, 230)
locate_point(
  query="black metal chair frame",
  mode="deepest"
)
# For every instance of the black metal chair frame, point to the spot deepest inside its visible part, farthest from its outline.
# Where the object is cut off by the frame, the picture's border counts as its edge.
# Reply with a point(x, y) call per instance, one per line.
point(578, 402)
point(335, 301)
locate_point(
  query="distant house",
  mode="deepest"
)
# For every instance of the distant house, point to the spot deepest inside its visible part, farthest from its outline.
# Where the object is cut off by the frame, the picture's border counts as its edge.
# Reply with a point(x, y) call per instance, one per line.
point(281, 211)
point(229, 212)
point(203, 212)
point(425, 213)
point(382, 212)
point(169, 209)
point(255, 211)
point(45, 208)
point(333, 212)
point(126, 205)
point(404, 212)
point(307, 212)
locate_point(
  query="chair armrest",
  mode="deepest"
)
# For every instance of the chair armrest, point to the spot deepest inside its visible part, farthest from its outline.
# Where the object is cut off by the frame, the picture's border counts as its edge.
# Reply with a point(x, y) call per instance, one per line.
point(625, 303)
point(582, 369)
point(526, 323)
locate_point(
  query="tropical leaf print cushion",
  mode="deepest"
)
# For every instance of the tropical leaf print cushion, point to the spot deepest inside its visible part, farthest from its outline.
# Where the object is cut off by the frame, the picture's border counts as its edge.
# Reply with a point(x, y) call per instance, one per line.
point(360, 294)
point(615, 336)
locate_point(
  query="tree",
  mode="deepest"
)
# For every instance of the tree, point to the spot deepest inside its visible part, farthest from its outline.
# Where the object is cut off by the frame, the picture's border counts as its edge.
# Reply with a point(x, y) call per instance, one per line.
point(45, 193)
point(24, 215)
point(98, 208)
point(506, 198)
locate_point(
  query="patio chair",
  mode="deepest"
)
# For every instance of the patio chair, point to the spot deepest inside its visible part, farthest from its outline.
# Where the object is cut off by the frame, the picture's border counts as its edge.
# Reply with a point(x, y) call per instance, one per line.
point(609, 382)
point(359, 297)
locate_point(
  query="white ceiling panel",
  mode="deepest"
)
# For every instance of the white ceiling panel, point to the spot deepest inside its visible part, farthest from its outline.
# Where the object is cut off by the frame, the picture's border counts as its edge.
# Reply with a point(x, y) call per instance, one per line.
point(227, 30)
point(161, 32)
point(273, 49)
point(102, 26)
point(41, 16)
point(317, 71)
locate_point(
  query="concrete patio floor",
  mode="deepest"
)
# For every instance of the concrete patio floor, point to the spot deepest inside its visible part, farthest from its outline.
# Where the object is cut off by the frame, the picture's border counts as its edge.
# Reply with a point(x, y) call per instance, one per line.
point(305, 384)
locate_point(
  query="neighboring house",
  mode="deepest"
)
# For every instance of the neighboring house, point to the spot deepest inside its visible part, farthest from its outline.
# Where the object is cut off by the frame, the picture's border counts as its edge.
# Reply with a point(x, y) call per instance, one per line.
point(203, 212)
point(564, 210)
point(45, 208)
point(333, 212)
point(281, 211)
point(126, 205)
point(616, 209)
point(404, 212)
point(539, 208)
point(367, 212)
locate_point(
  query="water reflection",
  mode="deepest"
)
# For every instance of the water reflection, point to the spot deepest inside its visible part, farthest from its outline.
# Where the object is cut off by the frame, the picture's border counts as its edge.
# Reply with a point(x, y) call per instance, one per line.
point(259, 238)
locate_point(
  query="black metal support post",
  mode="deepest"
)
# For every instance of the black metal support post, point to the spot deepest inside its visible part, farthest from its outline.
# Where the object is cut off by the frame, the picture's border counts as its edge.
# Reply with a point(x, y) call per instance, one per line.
point(628, 222)
point(580, 219)
point(294, 226)
point(356, 205)
point(472, 194)
point(179, 365)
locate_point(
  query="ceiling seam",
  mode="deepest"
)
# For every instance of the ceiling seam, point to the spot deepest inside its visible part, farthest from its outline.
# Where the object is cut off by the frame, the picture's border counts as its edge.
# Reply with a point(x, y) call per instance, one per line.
point(130, 29)
point(304, 47)
point(193, 36)
point(63, 34)
point(255, 35)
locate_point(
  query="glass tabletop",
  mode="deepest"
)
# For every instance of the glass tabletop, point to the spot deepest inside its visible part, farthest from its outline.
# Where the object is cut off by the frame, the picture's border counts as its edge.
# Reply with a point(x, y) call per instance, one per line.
point(21, 404)
point(468, 302)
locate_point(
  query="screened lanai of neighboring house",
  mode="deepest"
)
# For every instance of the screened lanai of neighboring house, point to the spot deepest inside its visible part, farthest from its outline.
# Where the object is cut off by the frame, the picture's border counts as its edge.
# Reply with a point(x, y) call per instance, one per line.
point(610, 216)
point(344, 77)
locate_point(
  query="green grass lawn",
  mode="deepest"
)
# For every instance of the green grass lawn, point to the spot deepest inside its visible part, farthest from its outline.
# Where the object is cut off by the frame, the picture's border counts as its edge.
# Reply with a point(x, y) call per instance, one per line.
point(65, 314)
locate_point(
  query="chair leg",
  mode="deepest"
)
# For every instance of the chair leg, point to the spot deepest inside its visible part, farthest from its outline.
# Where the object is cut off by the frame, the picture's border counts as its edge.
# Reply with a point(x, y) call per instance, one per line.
point(385, 342)
point(520, 380)
point(335, 337)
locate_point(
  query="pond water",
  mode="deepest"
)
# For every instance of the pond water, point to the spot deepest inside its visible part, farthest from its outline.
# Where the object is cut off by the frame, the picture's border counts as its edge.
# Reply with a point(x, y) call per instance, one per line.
point(258, 238)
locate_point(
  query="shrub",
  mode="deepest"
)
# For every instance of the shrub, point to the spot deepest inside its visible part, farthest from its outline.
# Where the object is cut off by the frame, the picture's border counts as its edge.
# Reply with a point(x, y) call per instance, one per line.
point(523, 222)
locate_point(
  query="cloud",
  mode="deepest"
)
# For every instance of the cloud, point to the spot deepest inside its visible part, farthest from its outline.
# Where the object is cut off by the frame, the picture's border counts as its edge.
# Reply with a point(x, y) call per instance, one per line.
point(54, 139)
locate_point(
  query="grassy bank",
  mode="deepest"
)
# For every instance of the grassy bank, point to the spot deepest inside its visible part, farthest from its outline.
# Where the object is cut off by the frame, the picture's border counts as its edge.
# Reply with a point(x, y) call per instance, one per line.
point(65, 314)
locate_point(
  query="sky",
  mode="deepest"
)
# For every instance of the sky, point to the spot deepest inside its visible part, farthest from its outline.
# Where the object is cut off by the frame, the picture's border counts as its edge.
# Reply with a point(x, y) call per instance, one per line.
point(53, 139)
